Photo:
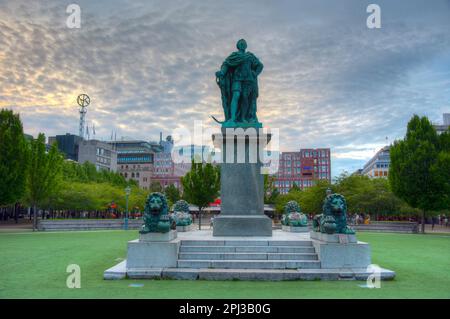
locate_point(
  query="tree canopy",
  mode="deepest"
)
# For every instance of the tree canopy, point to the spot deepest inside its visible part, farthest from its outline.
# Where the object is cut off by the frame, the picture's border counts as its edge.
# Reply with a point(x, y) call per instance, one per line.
point(201, 185)
point(419, 172)
point(13, 158)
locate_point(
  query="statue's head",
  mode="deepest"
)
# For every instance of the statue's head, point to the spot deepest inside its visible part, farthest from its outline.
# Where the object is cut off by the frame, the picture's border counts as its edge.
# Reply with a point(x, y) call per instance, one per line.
point(156, 204)
point(336, 205)
point(241, 45)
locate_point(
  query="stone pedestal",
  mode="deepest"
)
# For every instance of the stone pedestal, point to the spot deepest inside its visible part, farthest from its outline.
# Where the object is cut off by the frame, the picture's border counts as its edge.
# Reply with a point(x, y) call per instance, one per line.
point(333, 238)
point(153, 250)
point(341, 251)
point(151, 237)
point(295, 229)
point(242, 184)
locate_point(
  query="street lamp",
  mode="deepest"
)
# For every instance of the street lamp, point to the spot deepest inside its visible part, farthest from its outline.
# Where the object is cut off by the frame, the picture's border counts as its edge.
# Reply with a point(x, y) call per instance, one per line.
point(127, 193)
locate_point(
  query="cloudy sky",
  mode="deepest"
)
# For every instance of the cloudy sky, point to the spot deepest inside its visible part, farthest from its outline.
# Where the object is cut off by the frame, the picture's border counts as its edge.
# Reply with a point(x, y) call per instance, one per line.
point(328, 81)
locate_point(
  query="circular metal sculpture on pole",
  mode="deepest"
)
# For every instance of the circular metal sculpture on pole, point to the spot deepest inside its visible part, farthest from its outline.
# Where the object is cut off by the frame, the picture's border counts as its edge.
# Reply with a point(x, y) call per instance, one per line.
point(83, 101)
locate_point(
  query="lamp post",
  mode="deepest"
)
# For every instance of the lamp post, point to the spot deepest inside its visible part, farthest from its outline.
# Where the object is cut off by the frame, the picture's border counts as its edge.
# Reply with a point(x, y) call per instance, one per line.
point(127, 193)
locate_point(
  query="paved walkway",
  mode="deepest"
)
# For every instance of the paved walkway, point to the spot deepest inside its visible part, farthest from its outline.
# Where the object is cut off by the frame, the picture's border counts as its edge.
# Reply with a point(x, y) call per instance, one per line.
point(437, 229)
point(15, 228)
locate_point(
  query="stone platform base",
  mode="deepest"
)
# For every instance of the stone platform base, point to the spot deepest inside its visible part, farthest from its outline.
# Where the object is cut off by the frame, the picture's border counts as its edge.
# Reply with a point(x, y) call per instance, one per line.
point(284, 256)
point(120, 272)
point(242, 225)
point(293, 229)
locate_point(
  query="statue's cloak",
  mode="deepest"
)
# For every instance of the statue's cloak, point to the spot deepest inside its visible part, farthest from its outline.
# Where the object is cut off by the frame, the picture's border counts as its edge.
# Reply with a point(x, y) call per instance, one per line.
point(237, 58)
point(232, 61)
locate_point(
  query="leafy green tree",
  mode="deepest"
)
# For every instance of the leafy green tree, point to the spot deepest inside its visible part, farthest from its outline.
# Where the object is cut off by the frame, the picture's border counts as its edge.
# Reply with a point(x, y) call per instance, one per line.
point(311, 198)
point(283, 199)
point(271, 193)
point(87, 172)
point(13, 158)
point(44, 174)
point(155, 186)
point(419, 172)
point(295, 188)
point(172, 193)
point(201, 185)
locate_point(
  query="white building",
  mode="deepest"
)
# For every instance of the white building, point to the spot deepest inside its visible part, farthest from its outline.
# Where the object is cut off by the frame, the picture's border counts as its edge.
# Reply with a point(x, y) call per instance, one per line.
point(378, 166)
point(440, 128)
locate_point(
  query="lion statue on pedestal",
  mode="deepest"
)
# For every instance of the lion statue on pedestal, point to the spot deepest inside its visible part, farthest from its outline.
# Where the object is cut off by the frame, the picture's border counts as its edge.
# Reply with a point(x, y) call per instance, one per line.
point(156, 215)
point(334, 216)
point(293, 215)
point(181, 213)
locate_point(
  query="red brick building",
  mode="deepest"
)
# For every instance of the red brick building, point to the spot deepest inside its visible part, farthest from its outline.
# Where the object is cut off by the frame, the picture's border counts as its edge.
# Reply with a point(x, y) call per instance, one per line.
point(302, 168)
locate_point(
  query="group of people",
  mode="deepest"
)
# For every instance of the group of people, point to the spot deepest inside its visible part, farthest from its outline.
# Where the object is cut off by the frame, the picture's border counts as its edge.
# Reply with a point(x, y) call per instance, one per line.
point(441, 219)
point(360, 219)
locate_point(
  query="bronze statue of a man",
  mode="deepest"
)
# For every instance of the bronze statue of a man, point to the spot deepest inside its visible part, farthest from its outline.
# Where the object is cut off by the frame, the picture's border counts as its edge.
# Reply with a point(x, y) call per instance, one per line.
point(238, 82)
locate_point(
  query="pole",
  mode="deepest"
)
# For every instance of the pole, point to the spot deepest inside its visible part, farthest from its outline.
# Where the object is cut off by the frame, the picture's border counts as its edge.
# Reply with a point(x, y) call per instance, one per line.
point(126, 214)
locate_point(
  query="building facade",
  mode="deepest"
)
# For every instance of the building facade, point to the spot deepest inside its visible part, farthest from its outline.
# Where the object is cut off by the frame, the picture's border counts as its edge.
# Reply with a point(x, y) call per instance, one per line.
point(302, 168)
point(67, 144)
point(149, 162)
point(378, 166)
point(169, 170)
point(135, 160)
point(164, 171)
point(101, 154)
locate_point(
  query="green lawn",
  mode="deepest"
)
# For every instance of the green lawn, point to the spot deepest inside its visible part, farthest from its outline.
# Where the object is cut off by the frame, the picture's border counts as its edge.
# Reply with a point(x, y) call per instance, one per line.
point(33, 265)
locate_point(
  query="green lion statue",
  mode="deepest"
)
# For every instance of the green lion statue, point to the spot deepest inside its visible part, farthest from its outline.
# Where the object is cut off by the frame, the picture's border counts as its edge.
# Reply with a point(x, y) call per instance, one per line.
point(334, 217)
point(181, 213)
point(293, 216)
point(156, 215)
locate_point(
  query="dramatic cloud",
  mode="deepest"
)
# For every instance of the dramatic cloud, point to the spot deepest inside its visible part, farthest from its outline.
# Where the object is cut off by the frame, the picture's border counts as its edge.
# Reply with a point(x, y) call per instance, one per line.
point(328, 80)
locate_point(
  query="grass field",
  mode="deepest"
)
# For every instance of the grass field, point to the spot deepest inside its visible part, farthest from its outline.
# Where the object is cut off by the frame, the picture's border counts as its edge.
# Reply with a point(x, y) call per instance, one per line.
point(33, 265)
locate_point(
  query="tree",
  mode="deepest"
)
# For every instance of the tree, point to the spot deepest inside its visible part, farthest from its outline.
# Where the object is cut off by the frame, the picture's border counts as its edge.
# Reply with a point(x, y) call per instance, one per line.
point(155, 187)
point(419, 172)
point(295, 188)
point(172, 193)
point(201, 185)
point(311, 199)
point(44, 174)
point(13, 158)
point(270, 191)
